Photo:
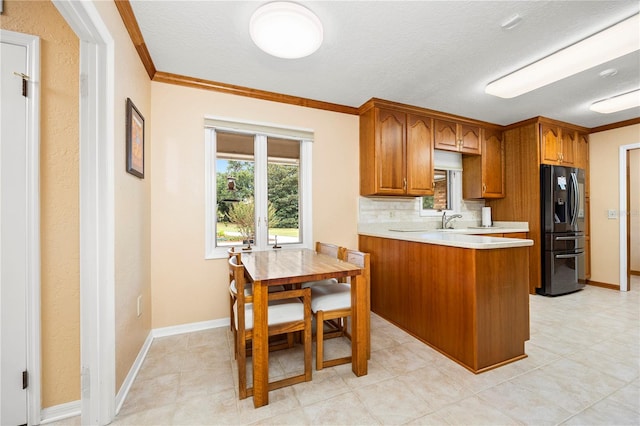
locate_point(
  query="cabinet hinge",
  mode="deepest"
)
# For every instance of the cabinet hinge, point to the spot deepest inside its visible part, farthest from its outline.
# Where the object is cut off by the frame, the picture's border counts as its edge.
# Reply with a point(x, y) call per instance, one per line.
point(25, 379)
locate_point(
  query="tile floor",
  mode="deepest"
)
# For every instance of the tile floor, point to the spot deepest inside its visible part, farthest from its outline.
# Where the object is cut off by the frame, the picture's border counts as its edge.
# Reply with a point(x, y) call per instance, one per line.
point(583, 369)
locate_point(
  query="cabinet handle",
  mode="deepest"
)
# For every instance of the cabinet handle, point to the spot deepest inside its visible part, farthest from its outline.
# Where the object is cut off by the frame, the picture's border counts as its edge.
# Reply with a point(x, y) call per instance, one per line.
point(484, 188)
point(404, 184)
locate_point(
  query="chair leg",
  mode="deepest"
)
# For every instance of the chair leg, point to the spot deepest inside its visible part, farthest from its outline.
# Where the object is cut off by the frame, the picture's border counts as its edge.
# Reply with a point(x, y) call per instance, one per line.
point(242, 366)
point(235, 344)
point(308, 351)
point(231, 322)
point(319, 339)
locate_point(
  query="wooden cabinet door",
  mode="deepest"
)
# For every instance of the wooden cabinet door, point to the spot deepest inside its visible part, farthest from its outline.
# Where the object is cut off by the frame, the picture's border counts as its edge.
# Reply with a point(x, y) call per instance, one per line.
point(582, 151)
point(568, 147)
point(419, 155)
point(493, 165)
point(390, 152)
point(549, 144)
point(446, 135)
point(469, 139)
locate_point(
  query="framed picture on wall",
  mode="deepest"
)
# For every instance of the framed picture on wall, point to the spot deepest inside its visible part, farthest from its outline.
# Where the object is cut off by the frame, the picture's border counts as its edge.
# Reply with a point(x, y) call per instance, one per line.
point(135, 140)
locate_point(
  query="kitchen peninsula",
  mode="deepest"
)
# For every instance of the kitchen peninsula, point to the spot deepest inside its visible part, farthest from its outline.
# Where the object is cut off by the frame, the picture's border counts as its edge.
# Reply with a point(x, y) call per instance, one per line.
point(465, 295)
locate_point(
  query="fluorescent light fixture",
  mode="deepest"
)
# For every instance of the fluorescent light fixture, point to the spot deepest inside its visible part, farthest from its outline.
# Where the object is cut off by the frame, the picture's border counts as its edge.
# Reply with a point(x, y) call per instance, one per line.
point(618, 40)
point(617, 103)
point(286, 30)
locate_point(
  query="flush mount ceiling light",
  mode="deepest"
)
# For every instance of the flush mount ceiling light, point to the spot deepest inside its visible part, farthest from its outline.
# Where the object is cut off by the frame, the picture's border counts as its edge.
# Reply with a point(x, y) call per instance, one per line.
point(617, 103)
point(286, 30)
point(618, 40)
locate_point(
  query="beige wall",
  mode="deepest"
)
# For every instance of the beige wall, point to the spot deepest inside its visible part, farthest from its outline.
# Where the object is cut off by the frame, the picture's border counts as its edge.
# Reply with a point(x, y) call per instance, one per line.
point(604, 150)
point(634, 209)
point(186, 287)
point(132, 201)
point(60, 283)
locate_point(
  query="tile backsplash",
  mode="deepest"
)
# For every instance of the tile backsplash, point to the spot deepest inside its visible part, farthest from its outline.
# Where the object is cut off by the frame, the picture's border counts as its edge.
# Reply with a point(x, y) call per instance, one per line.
point(396, 209)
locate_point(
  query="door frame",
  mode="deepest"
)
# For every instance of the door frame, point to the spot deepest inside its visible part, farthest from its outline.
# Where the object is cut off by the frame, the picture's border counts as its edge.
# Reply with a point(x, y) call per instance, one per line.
point(624, 261)
point(32, 176)
point(97, 210)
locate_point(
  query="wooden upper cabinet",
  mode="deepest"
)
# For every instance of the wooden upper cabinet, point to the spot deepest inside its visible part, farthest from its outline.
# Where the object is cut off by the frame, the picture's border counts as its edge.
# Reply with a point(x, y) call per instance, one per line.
point(396, 153)
point(549, 144)
point(558, 145)
point(446, 135)
point(582, 151)
point(484, 176)
point(569, 141)
point(469, 139)
point(390, 152)
point(419, 155)
point(458, 137)
point(493, 165)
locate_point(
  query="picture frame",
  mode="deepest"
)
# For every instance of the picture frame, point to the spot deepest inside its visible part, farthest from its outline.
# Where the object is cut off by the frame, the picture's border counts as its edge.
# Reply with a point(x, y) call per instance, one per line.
point(135, 140)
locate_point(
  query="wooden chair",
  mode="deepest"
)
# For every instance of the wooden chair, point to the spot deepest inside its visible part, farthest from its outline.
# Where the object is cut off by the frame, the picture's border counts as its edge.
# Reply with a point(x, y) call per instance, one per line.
point(333, 301)
point(289, 311)
point(329, 250)
point(232, 287)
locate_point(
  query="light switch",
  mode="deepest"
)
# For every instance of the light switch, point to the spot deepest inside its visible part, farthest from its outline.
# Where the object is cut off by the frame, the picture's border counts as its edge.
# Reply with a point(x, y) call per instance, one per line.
point(612, 214)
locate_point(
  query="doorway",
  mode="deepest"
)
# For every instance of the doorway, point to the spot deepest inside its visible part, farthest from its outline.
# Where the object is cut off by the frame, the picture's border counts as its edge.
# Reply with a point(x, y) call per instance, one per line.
point(633, 214)
point(624, 207)
point(97, 271)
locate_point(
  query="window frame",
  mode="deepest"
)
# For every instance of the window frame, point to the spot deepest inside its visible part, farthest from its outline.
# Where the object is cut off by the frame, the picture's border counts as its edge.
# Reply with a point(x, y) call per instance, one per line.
point(260, 132)
point(454, 194)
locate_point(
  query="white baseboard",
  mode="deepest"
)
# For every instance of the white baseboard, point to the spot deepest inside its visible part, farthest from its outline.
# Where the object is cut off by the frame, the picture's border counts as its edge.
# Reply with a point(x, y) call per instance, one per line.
point(133, 372)
point(189, 328)
point(60, 412)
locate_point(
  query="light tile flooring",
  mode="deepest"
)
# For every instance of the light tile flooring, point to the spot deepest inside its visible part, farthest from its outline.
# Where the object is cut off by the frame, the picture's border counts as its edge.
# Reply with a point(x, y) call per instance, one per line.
point(583, 368)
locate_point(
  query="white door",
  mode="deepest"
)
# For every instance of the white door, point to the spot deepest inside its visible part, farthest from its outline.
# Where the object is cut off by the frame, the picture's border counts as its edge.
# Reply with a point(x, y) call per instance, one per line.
point(13, 236)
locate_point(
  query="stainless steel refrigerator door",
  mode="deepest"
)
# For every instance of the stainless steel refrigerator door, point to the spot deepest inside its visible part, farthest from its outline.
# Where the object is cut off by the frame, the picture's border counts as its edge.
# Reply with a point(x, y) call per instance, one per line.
point(564, 272)
point(562, 196)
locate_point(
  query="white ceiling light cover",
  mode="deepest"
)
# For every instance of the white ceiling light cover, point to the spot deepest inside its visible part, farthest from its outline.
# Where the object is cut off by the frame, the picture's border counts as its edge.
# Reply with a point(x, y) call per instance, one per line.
point(614, 42)
point(286, 30)
point(617, 103)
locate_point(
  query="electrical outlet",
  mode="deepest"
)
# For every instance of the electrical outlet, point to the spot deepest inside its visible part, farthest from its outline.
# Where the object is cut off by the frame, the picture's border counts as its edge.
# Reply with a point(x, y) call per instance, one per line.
point(612, 214)
point(139, 305)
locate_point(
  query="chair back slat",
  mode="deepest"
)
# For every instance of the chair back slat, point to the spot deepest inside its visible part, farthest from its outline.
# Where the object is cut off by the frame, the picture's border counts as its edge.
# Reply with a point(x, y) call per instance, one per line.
point(332, 250)
point(358, 258)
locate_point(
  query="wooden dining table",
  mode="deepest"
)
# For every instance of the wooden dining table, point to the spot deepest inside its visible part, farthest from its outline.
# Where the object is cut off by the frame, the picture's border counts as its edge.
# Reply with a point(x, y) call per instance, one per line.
point(293, 266)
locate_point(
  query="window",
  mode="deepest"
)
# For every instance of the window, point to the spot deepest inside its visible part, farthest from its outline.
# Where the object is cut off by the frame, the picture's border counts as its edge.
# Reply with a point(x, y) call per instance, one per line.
point(448, 185)
point(258, 187)
point(441, 198)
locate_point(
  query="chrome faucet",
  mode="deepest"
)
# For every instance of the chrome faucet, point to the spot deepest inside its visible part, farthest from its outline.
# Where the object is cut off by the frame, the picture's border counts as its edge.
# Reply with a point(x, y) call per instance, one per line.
point(446, 220)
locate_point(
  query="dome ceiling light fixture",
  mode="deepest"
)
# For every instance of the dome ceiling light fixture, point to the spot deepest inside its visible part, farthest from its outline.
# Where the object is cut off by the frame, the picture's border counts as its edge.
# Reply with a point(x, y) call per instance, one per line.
point(286, 30)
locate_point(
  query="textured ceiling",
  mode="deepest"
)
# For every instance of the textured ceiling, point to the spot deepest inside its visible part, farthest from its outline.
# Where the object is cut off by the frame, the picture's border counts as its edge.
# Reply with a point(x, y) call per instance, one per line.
point(434, 54)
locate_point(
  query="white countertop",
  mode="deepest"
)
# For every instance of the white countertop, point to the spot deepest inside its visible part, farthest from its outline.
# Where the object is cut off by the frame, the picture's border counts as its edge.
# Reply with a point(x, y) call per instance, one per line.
point(463, 238)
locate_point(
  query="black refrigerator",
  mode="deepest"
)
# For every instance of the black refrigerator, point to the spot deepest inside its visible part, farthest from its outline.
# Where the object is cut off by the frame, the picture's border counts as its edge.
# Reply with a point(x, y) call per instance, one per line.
point(562, 228)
